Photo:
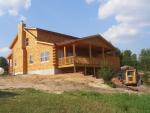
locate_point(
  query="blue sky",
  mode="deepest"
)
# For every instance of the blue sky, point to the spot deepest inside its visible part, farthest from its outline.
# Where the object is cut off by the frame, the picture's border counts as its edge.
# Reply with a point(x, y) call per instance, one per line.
point(126, 29)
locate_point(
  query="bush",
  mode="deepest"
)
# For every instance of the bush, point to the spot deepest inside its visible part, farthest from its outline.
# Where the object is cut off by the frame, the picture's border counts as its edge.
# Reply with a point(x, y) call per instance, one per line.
point(4, 63)
point(106, 73)
point(146, 78)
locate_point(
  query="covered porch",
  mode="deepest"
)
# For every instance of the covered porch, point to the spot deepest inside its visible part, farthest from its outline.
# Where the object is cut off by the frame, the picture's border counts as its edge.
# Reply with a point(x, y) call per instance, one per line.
point(86, 53)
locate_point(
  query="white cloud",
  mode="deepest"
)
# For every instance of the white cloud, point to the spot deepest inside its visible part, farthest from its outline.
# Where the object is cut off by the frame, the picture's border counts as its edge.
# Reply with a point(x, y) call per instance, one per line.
point(120, 33)
point(4, 50)
point(89, 1)
point(13, 7)
point(132, 17)
point(23, 18)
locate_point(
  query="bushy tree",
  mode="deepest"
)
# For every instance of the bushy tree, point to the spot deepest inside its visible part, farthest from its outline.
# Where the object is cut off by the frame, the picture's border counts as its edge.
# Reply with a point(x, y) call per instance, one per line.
point(144, 59)
point(4, 63)
point(106, 73)
point(128, 58)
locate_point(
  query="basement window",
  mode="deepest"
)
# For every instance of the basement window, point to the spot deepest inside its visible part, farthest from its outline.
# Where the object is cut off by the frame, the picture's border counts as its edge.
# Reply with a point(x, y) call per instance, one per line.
point(44, 56)
point(27, 41)
point(31, 59)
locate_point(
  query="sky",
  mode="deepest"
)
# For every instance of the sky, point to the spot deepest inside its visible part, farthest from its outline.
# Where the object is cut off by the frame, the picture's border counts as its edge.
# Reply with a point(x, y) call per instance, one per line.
point(125, 23)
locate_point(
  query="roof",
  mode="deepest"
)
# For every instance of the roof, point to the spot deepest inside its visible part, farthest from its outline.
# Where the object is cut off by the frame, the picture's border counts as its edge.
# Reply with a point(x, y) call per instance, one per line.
point(98, 36)
point(43, 30)
point(13, 42)
point(99, 40)
point(56, 33)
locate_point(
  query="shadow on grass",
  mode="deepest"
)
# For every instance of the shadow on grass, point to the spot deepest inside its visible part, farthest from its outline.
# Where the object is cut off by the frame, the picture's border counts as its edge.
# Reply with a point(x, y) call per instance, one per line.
point(6, 94)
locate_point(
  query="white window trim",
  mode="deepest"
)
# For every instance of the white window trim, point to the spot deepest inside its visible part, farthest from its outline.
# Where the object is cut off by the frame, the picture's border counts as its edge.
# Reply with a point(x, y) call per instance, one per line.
point(31, 57)
point(45, 57)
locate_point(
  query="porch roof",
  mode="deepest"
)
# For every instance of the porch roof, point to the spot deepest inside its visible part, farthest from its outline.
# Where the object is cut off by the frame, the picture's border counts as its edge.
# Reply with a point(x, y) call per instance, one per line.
point(94, 40)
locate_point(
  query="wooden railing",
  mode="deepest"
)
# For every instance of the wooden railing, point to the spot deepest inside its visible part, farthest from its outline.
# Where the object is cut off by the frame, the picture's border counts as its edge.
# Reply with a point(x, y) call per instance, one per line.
point(88, 61)
point(111, 60)
point(66, 61)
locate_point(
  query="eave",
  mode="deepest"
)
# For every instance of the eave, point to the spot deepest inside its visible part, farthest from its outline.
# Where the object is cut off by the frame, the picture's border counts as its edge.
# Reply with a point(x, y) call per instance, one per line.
point(13, 42)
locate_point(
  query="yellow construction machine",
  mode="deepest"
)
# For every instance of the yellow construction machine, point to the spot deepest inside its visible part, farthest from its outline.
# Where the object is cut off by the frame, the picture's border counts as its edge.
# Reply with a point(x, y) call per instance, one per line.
point(129, 76)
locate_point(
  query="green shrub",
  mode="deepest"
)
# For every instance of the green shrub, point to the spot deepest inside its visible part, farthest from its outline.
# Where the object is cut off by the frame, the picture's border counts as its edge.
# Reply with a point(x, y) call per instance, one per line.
point(146, 78)
point(106, 73)
point(111, 84)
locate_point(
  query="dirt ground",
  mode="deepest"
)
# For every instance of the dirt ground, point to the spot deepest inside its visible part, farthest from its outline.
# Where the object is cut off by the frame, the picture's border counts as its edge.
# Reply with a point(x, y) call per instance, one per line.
point(60, 83)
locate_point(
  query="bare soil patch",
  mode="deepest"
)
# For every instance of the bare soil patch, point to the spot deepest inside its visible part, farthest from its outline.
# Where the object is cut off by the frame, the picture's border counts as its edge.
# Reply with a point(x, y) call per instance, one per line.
point(59, 83)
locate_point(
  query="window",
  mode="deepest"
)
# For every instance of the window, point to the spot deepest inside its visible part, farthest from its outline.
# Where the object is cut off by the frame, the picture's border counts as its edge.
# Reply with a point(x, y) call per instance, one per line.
point(130, 73)
point(31, 59)
point(44, 56)
point(27, 41)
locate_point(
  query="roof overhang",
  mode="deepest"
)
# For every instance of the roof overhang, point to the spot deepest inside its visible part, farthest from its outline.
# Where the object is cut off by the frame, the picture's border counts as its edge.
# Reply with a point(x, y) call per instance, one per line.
point(13, 42)
point(97, 40)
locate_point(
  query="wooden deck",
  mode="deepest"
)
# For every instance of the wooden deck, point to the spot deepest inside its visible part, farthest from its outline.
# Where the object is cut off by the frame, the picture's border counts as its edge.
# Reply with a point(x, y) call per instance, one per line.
point(85, 61)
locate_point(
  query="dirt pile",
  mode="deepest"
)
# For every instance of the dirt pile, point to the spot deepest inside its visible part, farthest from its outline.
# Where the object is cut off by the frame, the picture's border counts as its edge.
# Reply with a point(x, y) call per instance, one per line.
point(57, 83)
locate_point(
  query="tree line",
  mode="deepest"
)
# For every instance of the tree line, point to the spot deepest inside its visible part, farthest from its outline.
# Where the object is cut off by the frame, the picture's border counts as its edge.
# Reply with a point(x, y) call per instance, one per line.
point(140, 62)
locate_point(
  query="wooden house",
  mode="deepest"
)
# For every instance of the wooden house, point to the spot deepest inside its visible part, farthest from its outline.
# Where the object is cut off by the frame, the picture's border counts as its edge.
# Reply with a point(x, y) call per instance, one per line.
point(38, 51)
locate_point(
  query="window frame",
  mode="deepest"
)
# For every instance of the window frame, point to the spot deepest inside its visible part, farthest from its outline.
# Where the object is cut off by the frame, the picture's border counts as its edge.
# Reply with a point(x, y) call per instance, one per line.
point(45, 56)
point(31, 60)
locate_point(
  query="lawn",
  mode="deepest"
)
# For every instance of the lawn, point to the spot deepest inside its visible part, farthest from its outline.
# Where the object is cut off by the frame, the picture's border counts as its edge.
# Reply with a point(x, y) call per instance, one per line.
point(32, 101)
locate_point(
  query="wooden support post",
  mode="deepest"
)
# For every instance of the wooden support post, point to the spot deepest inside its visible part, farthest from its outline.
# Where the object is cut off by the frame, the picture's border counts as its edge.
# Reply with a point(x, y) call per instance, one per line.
point(65, 54)
point(90, 51)
point(94, 72)
point(85, 70)
point(103, 53)
point(103, 56)
point(74, 50)
point(74, 55)
point(74, 69)
point(64, 51)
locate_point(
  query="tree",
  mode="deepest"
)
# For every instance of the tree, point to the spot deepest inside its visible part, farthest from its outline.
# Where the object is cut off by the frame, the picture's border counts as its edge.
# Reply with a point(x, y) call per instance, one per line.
point(128, 58)
point(145, 59)
point(106, 72)
point(134, 61)
point(4, 63)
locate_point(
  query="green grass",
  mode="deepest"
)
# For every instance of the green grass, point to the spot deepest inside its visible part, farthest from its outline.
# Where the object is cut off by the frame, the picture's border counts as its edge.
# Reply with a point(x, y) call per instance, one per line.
point(32, 101)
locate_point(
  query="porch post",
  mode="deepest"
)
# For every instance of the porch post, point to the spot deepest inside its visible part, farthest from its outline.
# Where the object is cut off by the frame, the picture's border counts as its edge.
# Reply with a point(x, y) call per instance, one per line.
point(85, 70)
point(103, 56)
point(74, 50)
point(103, 53)
point(64, 51)
point(90, 51)
point(65, 54)
point(94, 72)
point(74, 55)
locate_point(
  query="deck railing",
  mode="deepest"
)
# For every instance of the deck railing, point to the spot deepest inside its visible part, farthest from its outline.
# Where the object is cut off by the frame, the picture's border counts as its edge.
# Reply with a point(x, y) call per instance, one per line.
point(66, 61)
point(111, 60)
